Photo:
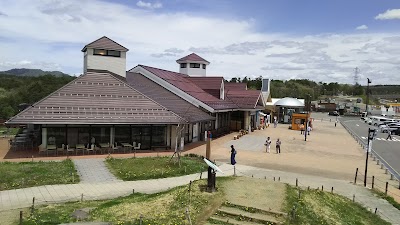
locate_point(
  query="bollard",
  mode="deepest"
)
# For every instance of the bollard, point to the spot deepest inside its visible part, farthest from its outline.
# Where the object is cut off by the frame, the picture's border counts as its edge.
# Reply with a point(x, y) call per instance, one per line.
point(234, 170)
point(185, 168)
point(308, 188)
point(373, 158)
point(355, 177)
point(82, 197)
point(33, 205)
point(201, 174)
point(141, 219)
point(299, 193)
point(133, 191)
point(279, 178)
point(330, 120)
point(381, 166)
point(386, 171)
point(32, 158)
point(332, 190)
point(373, 181)
point(354, 197)
point(274, 178)
point(377, 162)
point(265, 177)
point(20, 217)
point(322, 188)
point(252, 175)
point(297, 182)
point(376, 209)
point(386, 189)
point(391, 176)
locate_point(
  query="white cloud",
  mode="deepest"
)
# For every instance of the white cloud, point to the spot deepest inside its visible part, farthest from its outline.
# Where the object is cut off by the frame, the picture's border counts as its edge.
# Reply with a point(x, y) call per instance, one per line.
point(149, 5)
point(50, 34)
point(362, 27)
point(390, 14)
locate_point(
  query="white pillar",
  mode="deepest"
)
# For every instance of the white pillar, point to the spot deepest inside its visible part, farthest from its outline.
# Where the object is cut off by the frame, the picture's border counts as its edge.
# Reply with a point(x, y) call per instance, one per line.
point(112, 136)
point(246, 120)
point(196, 132)
point(44, 137)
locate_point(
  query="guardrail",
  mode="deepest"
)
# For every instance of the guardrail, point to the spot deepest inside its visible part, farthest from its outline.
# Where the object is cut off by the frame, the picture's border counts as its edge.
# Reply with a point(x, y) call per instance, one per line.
point(374, 154)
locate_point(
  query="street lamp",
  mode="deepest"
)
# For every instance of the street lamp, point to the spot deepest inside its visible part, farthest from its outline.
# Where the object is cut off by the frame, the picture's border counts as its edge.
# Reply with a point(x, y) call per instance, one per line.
point(307, 105)
point(371, 135)
point(366, 105)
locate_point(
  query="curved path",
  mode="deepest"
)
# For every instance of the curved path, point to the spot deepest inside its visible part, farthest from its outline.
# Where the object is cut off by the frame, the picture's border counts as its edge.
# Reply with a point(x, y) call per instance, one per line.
point(96, 190)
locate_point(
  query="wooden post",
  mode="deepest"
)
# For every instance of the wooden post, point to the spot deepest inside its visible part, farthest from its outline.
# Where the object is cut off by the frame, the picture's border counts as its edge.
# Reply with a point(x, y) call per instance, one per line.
point(274, 178)
point(265, 177)
point(373, 181)
point(33, 205)
point(279, 178)
point(201, 174)
point(355, 177)
point(376, 209)
point(82, 197)
point(322, 188)
point(299, 193)
point(332, 190)
point(208, 147)
point(354, 197)
point(308, 188)
point(252, 175)
point(20, 217)
point(297, 182)
point(141, 219)
point(234, 170)
point(133, 191)
point(386, 189)
point(188, 216)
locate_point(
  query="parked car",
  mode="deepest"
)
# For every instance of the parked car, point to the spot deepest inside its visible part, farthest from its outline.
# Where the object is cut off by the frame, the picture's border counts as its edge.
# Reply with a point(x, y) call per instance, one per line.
point(333, 113)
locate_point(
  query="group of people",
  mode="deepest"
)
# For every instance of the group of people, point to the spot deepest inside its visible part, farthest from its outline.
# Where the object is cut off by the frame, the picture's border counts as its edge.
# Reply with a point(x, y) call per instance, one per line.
point(302, 129)
point(268, 143)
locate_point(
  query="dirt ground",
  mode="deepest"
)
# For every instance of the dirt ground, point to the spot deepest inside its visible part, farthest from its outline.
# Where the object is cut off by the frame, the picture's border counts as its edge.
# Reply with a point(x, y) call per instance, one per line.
point(256, 193)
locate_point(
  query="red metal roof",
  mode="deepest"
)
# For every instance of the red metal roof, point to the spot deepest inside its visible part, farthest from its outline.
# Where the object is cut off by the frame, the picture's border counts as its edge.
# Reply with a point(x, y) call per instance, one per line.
point(235, 86)
point(97, 97)
point(182, 82)
point(105, 43)
point(166, 98)
point(244, 99)
point(193, 58)
point(207, 82)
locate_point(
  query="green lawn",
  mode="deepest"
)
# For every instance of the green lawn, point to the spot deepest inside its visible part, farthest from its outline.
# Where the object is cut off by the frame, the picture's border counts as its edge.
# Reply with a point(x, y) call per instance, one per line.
point(162, 208)
point(318, 207)
point(29, 174)
point(13, 131)
point(388, 198)
point(154, 167)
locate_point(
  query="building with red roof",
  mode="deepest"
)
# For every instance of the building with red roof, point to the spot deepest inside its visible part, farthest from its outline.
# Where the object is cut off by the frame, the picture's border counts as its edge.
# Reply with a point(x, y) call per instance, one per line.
point(109, 106)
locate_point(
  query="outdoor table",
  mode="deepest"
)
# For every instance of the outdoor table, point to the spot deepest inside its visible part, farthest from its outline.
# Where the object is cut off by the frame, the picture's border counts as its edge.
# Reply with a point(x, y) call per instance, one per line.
point(104, 146)
point(80, 147)
point(126, 146)
point(51, 148)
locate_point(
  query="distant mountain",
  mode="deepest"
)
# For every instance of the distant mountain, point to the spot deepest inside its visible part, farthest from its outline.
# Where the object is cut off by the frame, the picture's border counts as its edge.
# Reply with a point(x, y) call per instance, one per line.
point(32, 72)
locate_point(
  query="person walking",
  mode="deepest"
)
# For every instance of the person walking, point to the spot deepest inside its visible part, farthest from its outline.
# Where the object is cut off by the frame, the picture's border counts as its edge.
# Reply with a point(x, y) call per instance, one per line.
point(278, 146)
point(389, 135)
point(308, 130)
point(268, 144)
point(275, 121)
point(233, 155)
point(301, 128)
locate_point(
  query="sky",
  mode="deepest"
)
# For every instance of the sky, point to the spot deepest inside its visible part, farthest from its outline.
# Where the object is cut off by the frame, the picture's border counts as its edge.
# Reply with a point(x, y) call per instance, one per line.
point(278, 39)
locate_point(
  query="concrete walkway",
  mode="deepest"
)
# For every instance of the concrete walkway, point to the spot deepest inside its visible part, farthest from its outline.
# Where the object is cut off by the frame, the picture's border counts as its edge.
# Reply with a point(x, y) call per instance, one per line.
point(93, 171)
point(14, 199)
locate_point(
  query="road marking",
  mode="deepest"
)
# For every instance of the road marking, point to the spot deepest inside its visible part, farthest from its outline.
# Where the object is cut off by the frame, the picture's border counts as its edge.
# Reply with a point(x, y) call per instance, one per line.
point(383, 139)
point(363, 137)
point(357, 125)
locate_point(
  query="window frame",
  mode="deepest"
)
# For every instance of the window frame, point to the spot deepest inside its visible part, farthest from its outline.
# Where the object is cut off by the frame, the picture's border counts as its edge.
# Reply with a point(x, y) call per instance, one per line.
point(107, 52)
point(183, 65)
point(204, 66)
point(195, 65)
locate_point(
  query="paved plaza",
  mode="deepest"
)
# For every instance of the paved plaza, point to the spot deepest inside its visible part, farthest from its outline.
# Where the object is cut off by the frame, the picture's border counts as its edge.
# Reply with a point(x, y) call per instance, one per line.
point(328, 158)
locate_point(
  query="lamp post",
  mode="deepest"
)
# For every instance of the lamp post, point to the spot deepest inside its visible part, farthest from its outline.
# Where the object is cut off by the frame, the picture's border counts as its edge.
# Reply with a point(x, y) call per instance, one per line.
point(366, 105)
point(307, 105)
point(371, 135)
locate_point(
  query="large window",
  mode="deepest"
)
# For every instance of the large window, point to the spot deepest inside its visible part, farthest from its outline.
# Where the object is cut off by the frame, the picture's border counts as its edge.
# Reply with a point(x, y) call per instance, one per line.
point(183, 65)
point(56, 136)
point(122, 134)
point(101, 134)
point(194, 65)
point(159, 136)
point(104, 52)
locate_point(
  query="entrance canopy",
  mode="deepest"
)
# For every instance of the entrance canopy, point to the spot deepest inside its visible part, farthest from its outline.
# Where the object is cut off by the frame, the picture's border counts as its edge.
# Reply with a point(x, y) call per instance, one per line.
point(289, 102)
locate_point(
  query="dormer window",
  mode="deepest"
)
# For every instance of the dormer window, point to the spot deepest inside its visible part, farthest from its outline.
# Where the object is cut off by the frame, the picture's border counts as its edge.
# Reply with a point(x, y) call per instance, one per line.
point(194, 65)
point(104, 52)
point(183, 65)
point(204, 66)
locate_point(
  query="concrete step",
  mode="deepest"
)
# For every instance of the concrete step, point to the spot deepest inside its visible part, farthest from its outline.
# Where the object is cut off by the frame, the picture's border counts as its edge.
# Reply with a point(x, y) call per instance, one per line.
point(263, 218)
point(232, 221)
point(271, 212)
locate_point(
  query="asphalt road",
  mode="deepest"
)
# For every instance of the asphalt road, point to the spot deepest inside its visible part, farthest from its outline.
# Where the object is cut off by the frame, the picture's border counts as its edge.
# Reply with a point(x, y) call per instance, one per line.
point(388, 150)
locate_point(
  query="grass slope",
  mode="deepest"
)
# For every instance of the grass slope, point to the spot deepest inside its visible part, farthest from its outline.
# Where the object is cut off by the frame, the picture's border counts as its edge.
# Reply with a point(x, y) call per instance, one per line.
point(30, 174)
point(318, 207)
point(163, 208)
point(154, 167)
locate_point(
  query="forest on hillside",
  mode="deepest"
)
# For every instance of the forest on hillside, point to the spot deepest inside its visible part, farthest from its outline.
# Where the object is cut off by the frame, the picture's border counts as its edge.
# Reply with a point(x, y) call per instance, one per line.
point(16, 90)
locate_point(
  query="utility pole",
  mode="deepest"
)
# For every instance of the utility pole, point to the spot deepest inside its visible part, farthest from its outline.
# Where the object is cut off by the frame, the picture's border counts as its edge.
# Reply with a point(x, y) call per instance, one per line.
point(366, 104)
point(307, 104)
